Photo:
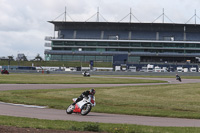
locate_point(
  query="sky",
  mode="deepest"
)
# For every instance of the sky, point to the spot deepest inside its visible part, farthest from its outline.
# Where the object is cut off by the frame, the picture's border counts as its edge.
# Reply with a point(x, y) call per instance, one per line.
point(24, 23)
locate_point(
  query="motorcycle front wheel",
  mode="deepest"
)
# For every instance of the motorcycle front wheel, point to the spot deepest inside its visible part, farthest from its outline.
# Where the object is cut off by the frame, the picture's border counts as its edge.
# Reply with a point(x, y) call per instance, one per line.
point(86, 109)
point(69, 110)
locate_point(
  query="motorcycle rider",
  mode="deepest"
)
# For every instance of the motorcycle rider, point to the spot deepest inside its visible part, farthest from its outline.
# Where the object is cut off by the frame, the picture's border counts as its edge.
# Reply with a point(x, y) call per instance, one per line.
point(85, 73)
point(178, 77)
point(85, 94)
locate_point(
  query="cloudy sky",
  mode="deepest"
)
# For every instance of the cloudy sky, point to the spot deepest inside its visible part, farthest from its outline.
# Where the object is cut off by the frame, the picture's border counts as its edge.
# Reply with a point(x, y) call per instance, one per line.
point(23, 23)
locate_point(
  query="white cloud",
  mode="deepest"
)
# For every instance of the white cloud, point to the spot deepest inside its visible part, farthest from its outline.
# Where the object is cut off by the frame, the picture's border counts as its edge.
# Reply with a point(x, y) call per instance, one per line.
point(23, 23)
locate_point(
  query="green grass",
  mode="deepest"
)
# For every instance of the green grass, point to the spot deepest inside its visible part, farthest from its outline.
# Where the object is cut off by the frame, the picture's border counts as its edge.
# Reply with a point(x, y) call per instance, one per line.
point(148, 76)
point(181, 100)
point(55, 63)
point(88, 126)
point(67, 79)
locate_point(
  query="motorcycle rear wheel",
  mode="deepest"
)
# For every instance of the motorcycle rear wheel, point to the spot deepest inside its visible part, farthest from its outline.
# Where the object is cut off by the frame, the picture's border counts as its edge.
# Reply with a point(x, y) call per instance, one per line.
point(69, 110)
point(86, 109)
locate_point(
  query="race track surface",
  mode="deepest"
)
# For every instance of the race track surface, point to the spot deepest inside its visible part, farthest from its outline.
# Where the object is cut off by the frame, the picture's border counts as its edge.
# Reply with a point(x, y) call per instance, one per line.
point(54, 114)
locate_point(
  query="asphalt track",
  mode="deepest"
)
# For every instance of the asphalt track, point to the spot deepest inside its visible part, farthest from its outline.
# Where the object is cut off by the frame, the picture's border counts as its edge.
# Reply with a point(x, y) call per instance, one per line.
point(54, 114)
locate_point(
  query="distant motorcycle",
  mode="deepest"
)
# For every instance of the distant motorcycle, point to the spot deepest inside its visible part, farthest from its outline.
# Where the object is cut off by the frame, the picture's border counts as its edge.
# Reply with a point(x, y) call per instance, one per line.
point(83, 107)
point(86, 74)
point(178, 78)
point(4, 71)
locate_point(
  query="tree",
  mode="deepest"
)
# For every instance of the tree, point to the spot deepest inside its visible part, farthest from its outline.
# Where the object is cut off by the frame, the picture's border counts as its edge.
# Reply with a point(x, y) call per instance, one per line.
point(11, 58)
point(21, 57)
point(38, 58)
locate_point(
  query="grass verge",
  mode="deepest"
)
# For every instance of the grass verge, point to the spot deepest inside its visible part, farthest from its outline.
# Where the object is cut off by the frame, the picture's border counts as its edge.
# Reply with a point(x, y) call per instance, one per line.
point(151, 76)
point(180, 100)
point(88, 126)
point(68, 79)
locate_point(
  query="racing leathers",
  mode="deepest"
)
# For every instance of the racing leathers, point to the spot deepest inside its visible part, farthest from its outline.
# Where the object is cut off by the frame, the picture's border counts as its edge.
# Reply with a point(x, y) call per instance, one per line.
point(83, 95)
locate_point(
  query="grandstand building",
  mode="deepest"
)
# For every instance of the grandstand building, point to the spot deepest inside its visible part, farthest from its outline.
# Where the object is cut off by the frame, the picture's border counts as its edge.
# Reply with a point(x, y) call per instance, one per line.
point(126, 43)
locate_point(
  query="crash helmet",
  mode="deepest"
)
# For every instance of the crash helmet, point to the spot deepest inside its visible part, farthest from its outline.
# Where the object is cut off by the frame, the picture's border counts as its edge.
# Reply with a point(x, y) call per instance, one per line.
point(92, 91)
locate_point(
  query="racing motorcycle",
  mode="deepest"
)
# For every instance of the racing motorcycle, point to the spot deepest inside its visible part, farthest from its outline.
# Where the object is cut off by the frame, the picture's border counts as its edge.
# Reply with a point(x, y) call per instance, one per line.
point(86, 74)
point(83, 107)
point(4, 71)
point(179, 79)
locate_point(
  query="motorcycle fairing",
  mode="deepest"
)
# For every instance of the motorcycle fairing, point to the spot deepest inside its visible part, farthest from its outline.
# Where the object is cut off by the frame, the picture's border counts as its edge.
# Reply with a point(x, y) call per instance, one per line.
point(77, 109)
point(81, 103)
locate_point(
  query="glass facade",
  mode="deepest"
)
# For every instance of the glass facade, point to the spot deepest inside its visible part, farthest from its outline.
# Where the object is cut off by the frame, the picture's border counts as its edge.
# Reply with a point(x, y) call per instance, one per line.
point(127, 46)
point(80, 58)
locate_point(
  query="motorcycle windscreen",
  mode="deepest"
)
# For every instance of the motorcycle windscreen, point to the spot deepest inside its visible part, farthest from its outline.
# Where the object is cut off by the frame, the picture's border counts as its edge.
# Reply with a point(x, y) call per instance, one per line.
point(74, 99)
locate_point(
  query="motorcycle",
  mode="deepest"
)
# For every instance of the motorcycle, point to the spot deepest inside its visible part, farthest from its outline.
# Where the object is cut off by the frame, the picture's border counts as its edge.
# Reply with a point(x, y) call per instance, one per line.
point(178, 78)
point(4, 72)
point(86, 74)
point(83, 107)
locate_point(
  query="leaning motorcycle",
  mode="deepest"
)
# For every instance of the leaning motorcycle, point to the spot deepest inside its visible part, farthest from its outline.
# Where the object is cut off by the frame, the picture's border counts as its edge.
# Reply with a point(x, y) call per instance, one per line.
point(83, 107)
point(86, 74)
point(179, 79)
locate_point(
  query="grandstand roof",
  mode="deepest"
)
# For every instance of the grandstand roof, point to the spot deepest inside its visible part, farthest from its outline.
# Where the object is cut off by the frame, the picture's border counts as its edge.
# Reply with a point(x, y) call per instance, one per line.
point(61, 25)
